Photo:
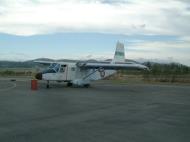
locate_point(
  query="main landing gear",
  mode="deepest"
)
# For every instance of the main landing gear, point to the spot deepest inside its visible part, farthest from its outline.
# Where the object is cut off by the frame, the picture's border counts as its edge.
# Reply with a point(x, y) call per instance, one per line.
point(69, 84)
point(86, 85)
point(47, 85)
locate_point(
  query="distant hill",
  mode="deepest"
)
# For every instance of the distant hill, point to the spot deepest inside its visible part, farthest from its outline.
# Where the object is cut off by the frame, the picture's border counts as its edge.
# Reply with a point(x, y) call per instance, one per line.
point(31, 64)
point(15, 64)
point(43, 59)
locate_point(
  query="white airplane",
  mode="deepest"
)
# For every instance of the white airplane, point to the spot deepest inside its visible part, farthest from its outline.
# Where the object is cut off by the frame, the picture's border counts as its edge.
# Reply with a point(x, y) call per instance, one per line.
point(81, 73)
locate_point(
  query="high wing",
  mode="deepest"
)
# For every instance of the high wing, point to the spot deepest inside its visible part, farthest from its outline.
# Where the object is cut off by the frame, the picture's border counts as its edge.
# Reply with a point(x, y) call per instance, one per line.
point(111, 66)
point(44, 62)
point(66, 61)
point(63, 61)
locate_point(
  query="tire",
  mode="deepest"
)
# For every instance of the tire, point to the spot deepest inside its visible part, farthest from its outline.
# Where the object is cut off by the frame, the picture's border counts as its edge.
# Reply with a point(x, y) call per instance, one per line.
point(69, 84)
point(86, 85)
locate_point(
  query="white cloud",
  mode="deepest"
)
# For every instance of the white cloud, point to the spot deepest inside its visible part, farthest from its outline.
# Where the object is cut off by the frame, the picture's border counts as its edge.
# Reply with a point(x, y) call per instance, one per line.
point(26, 17)
point(14, 56)
point(152, 17)
point(178, 51)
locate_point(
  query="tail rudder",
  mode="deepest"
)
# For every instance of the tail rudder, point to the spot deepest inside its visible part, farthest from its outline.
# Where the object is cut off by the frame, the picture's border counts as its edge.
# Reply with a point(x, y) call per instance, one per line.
point(119, 53)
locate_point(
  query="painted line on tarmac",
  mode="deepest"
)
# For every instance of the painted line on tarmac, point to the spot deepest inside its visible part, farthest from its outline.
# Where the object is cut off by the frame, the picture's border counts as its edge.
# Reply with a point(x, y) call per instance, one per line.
point(9, 88)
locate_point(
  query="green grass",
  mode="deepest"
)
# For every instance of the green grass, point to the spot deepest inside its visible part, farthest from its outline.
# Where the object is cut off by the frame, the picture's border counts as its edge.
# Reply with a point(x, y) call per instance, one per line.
point(17, 71)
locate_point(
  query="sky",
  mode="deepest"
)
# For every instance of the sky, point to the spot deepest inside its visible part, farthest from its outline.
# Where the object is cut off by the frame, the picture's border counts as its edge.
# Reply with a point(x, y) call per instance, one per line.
point(86, 29)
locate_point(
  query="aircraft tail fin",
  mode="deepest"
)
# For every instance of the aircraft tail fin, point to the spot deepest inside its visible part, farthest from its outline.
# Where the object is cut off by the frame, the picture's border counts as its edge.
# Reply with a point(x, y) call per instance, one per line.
point(119, 53)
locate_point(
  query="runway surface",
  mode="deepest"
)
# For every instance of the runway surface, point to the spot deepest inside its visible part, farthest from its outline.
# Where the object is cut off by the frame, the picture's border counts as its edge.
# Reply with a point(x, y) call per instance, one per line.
point(105, 112)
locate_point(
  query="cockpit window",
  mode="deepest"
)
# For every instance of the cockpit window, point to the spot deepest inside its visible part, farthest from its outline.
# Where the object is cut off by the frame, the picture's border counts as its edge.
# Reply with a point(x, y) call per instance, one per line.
point(53, 68)
point(56, 68)
point(52, 65)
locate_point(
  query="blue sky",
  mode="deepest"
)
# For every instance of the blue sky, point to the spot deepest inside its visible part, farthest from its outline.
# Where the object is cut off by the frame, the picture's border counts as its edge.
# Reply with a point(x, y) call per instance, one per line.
point(83, 29)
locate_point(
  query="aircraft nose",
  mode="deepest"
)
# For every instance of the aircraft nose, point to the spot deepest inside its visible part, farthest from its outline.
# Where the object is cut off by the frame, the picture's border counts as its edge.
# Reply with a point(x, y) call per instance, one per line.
point(38, 76)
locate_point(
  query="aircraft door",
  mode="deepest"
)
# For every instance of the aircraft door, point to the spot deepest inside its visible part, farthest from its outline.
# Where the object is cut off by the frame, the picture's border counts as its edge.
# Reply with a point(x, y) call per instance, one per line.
point(63, 72)
point(71, 72)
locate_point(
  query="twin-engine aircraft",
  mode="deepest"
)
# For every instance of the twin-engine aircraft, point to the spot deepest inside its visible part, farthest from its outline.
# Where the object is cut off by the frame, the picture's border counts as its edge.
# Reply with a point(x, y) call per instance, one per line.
point(81, 73)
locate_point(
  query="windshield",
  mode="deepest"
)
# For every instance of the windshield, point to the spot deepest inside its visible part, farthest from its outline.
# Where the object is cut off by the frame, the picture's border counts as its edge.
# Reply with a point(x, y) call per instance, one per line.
point(52, 65)
point(53, 68)
point(56, 68)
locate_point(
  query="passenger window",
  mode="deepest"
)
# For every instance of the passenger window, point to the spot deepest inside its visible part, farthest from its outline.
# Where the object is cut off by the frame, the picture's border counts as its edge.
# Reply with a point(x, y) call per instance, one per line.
point(62, 69)
point(72, 69)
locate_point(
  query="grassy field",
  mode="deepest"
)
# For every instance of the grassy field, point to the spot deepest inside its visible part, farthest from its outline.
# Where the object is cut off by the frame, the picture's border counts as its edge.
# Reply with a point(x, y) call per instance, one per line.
point(140, 78)
point(17, 71)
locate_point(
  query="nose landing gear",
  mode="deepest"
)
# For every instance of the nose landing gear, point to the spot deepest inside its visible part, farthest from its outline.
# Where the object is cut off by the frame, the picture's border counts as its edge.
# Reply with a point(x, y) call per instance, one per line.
point(38, 76)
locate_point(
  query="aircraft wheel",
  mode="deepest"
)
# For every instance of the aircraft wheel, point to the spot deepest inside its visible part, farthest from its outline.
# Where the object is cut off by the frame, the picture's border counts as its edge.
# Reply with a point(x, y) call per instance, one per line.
point(69, 84)
point(47, 86)
point(86, 85)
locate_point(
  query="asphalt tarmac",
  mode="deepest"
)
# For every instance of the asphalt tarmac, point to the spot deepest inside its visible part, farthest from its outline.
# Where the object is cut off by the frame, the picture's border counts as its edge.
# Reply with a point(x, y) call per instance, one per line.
point(105, 112)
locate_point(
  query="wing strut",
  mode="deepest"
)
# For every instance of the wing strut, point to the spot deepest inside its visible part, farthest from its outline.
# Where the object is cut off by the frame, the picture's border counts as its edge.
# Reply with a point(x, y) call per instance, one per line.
point(90, 74)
